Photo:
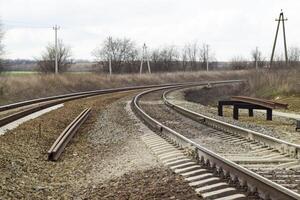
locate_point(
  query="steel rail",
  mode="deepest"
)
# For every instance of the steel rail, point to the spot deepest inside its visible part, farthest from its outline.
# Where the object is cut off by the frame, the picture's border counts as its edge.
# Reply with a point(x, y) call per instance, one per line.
point(87, 93)
point(265, 188)
point(64, 98)
point(282, 146)
point(59, 99)
point(261, 102)
point(64, 138)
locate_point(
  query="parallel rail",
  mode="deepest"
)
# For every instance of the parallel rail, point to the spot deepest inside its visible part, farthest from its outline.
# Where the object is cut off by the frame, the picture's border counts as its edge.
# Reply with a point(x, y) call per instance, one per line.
point(64, 138)
point(82, 94)
point(54, 100)
point(282, 146)
point(255, 183)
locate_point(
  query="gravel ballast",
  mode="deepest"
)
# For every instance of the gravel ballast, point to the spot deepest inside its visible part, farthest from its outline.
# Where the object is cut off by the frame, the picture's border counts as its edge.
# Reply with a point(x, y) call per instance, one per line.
point(195, 131)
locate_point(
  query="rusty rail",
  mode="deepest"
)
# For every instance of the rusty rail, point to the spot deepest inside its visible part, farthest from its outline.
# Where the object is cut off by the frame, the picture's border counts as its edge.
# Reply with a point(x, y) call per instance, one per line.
point(261, 102)
point(64, 138)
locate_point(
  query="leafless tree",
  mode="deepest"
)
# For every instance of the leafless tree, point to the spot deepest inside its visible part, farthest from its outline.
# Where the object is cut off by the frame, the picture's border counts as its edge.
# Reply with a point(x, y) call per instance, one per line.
point(294, 56)
point(203, 58)
point(184, 58)
point(191, 50)
point(170, 58)
point(122, 52)
point(47, 62)
point(256, 56)
point(206, 54)
point(238, 63)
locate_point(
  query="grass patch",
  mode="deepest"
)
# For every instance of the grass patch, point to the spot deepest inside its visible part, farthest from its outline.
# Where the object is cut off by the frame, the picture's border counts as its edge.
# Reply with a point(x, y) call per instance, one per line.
point(274, 84)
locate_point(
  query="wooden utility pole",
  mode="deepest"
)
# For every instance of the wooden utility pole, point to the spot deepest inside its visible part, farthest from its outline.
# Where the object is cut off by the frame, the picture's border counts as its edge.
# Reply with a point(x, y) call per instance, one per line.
point(110, 52)
point(145, 56)
point(256, 58)
point(207, 46)
point(281, 19)
point(55, 28)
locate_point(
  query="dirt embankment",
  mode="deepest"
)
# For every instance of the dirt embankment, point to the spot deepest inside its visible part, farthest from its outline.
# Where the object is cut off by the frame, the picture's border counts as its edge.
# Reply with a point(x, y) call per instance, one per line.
point(211, 96)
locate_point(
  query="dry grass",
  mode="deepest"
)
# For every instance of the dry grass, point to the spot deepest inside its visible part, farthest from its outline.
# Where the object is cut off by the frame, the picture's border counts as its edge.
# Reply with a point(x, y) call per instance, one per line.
point(24, 87)
point(274, 84)
point(269, 84)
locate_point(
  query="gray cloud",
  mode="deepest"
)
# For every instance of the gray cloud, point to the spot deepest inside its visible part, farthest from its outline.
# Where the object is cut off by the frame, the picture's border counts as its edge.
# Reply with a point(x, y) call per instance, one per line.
point(231, 27)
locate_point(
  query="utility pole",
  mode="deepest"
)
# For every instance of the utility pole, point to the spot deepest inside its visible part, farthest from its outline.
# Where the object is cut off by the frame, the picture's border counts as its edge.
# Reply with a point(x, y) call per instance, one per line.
point(55, 28)
point(256, 58)
point(145, 56)
point(110, 52)
point(207, 57)
point(281, 19)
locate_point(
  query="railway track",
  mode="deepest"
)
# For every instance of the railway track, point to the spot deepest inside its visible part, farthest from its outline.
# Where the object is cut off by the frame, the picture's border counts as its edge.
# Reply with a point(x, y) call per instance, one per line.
point(270, 157)
point(240, 164)
point(18, 110)
point(25, 108)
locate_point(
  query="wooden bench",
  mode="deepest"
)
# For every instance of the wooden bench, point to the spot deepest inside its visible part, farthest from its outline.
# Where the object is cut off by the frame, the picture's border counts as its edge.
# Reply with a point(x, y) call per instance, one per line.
point(250, 103)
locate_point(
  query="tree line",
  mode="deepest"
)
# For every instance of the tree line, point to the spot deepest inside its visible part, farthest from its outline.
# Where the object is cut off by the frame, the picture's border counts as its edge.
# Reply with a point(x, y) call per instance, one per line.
point(125, 55)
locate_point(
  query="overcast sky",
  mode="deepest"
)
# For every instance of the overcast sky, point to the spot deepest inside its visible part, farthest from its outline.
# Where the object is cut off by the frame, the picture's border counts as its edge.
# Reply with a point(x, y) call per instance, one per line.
point(231, 27)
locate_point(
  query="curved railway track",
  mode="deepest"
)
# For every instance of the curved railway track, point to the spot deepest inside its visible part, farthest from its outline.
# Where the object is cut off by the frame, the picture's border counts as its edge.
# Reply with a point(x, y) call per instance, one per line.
point(270, 157)
point(15, 111)
point(25, 108)
point(245, 163)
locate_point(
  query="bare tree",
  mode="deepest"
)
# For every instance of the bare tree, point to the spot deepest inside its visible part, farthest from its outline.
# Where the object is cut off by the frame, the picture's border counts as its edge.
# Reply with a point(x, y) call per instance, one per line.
point(238, 63)
point(206, 54)
point(294, 56)
point(122, 52)
point(258, 58)
point(184, 58)
point(165, 59)
point(47, 62)
point(191, 51)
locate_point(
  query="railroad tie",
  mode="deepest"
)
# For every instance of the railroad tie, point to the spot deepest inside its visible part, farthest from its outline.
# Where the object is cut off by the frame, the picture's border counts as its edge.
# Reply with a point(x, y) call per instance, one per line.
point(204, 182)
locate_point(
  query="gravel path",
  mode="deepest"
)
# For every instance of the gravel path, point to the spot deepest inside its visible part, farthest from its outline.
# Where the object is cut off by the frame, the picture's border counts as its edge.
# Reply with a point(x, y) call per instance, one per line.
point(280, 127)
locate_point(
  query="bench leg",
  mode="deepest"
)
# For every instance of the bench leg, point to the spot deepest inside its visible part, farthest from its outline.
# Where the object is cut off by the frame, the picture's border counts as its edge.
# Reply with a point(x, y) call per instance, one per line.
point(269, 114)
point(250, 112)
point(220, 110)
point(235, 112)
